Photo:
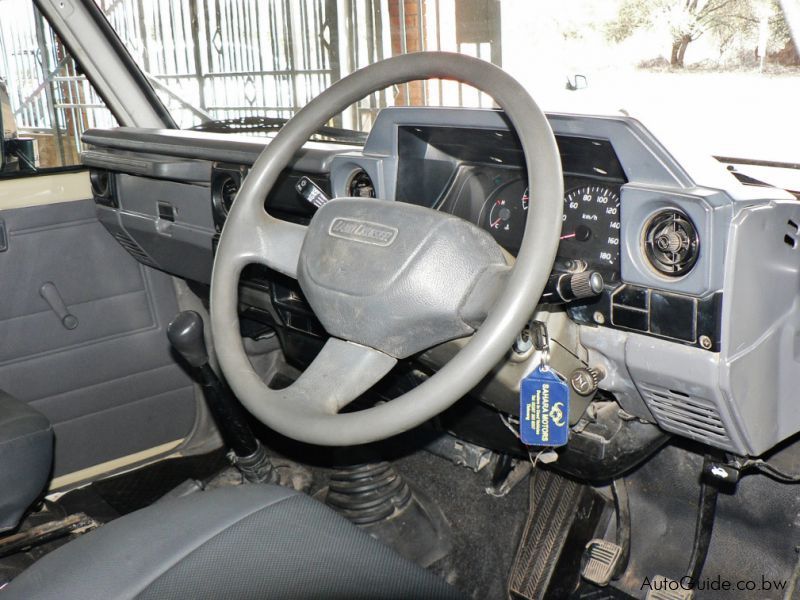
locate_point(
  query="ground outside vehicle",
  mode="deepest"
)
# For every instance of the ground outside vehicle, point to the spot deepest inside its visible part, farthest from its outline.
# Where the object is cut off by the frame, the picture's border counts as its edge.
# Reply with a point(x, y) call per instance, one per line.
point(399, 299)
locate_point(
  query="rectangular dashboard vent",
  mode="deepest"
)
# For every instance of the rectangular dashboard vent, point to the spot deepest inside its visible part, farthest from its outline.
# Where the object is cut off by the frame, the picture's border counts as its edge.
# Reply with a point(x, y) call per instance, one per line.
point(791, 238)
point(686, 415)
point(133, 248)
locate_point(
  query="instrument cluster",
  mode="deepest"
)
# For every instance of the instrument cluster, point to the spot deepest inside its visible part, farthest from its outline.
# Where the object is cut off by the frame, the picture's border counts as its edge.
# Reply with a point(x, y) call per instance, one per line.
point(496, 199)
point(479, 175)
point(591, 221)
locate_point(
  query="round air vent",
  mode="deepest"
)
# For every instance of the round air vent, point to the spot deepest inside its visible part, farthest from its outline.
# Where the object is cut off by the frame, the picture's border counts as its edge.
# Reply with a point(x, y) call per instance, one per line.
point(360, 185)
point(100, 181)
point(224, 188)
point(671, 242)
point(228, 193)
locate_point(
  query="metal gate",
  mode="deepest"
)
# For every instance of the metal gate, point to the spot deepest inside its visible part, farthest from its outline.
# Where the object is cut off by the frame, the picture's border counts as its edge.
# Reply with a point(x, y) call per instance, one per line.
point(224, 59)
point(52, 101)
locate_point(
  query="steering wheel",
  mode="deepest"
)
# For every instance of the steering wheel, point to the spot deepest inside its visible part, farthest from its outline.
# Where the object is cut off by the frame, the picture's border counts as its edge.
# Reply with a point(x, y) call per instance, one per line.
point(386, 279)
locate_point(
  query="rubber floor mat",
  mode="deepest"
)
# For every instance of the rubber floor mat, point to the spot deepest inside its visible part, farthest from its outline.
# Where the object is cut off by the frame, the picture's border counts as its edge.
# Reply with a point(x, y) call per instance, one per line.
point(131, 491)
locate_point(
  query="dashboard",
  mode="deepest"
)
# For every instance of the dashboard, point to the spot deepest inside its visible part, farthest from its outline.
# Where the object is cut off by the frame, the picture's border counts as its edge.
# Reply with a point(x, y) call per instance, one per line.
point(679, 251)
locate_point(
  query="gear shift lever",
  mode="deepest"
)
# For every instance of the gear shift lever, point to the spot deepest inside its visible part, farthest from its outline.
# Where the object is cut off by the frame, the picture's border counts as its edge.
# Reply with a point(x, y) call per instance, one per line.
point(185, 333)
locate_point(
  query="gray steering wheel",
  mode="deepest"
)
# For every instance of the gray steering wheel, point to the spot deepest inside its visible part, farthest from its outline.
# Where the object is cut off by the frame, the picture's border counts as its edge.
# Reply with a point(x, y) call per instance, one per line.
point(386, 279)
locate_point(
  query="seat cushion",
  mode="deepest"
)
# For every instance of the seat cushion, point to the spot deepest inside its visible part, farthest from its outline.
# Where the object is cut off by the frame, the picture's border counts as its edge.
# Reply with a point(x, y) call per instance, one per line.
point(26, 457)
point(255, 541)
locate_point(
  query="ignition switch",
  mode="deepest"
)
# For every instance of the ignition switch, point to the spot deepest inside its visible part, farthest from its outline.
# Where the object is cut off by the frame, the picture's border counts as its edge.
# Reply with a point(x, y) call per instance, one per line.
point(524, 342)
point(534, 336)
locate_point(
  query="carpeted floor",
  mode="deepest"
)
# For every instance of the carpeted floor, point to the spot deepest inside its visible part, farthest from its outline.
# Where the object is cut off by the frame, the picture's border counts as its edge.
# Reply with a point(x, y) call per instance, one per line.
point(485, 528)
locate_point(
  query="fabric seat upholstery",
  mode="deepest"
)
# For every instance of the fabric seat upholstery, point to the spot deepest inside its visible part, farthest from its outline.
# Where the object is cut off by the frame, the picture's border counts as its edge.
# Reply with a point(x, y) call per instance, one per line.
point(255, 541)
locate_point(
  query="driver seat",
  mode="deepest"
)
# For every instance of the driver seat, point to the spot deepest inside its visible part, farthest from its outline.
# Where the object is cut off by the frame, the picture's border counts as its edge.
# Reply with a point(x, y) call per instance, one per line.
point(249, 542)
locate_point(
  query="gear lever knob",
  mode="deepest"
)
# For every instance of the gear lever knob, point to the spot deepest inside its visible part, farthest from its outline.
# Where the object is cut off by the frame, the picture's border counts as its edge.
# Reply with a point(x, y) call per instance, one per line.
point(185, 333)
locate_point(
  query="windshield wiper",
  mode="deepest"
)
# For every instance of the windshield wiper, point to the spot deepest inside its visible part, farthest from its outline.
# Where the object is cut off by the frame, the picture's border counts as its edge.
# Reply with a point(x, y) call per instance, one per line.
point(258, 124)
point(758, 163)
point(748, 179)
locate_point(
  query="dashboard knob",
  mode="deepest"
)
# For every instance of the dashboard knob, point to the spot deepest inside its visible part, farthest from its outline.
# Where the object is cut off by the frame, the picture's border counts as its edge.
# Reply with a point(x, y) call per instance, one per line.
point(566, 287)
point(585, 284)
point(584, 380)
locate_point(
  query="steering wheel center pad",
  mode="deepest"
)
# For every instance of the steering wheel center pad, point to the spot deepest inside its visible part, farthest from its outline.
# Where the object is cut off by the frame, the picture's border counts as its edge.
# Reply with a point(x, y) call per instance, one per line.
point(397, 277)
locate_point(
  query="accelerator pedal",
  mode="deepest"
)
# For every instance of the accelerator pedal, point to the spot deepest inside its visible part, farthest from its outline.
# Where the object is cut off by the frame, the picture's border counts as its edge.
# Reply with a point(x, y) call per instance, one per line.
point(664, 588)
point(562, 518)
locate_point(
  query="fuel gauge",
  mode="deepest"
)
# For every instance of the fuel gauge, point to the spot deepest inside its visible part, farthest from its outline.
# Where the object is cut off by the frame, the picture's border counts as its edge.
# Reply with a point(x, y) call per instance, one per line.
point(505, 212)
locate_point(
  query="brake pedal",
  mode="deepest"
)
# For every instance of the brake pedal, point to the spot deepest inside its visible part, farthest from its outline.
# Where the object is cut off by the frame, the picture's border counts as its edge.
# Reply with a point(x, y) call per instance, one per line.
point(602, 560)
point(664, 588)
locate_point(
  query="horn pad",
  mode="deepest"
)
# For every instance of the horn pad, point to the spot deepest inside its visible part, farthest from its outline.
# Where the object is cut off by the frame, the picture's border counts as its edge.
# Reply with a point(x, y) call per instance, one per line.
point(394, 276)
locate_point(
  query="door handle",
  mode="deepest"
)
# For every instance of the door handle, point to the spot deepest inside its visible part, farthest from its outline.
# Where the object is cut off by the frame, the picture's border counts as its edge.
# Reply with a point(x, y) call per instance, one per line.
point(49, 292)
point(166, 218)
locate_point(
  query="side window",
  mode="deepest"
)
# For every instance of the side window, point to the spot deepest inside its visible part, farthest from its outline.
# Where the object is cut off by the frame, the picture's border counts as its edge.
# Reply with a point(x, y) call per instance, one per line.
point(47, 103)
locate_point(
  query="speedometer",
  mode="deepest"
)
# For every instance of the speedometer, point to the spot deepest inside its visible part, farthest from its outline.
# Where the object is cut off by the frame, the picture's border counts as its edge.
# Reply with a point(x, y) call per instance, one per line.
point(591, 226)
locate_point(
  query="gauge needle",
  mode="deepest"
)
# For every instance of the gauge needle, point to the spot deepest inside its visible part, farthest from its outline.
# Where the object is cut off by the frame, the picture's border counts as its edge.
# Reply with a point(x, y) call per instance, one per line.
point(566, 237)
point(497, 222)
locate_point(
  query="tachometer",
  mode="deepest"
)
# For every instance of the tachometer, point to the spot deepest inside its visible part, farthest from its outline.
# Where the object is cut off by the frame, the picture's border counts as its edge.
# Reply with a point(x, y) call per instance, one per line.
point(591, 226)
point(505, 212)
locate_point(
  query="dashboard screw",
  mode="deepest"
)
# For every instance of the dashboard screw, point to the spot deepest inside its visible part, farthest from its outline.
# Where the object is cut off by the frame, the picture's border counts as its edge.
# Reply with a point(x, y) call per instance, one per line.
point(599, 318)
point(705, 342)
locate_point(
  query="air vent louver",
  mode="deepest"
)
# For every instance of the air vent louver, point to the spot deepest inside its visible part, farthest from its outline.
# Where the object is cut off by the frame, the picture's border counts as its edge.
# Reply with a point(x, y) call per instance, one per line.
point(225, 186)
point(791, 238)
point(692, 417)
point(228, 192)
point(671, 242)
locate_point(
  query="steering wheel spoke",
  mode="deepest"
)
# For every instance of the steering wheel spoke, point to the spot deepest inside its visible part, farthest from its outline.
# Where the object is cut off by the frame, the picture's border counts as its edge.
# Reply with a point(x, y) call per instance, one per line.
point(340, 373)
point(265, 240)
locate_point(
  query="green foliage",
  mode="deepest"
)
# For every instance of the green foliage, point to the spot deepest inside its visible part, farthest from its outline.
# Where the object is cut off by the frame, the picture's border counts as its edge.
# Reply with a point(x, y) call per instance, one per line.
point(779, 33)
point(633, 15)
point(732, 23)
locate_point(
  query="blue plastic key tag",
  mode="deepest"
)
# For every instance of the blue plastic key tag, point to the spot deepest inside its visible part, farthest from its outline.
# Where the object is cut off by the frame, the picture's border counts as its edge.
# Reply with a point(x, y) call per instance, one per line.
point(543, 409)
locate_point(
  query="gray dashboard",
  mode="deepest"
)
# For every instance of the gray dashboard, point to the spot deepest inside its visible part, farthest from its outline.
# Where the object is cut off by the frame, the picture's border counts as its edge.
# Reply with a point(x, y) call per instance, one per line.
point(708, 351)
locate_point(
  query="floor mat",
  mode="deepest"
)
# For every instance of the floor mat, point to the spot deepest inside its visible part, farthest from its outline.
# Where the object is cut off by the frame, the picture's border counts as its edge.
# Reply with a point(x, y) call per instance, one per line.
point(587, 591)
point(485, 529)
point(131, 491)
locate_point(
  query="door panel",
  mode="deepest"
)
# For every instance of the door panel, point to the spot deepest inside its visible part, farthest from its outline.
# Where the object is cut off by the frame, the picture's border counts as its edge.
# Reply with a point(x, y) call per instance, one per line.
point(110, 386)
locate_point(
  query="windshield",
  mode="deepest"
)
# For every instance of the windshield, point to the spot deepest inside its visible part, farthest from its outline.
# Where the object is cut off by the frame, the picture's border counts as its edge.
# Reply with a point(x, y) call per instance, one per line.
point(724, 74)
